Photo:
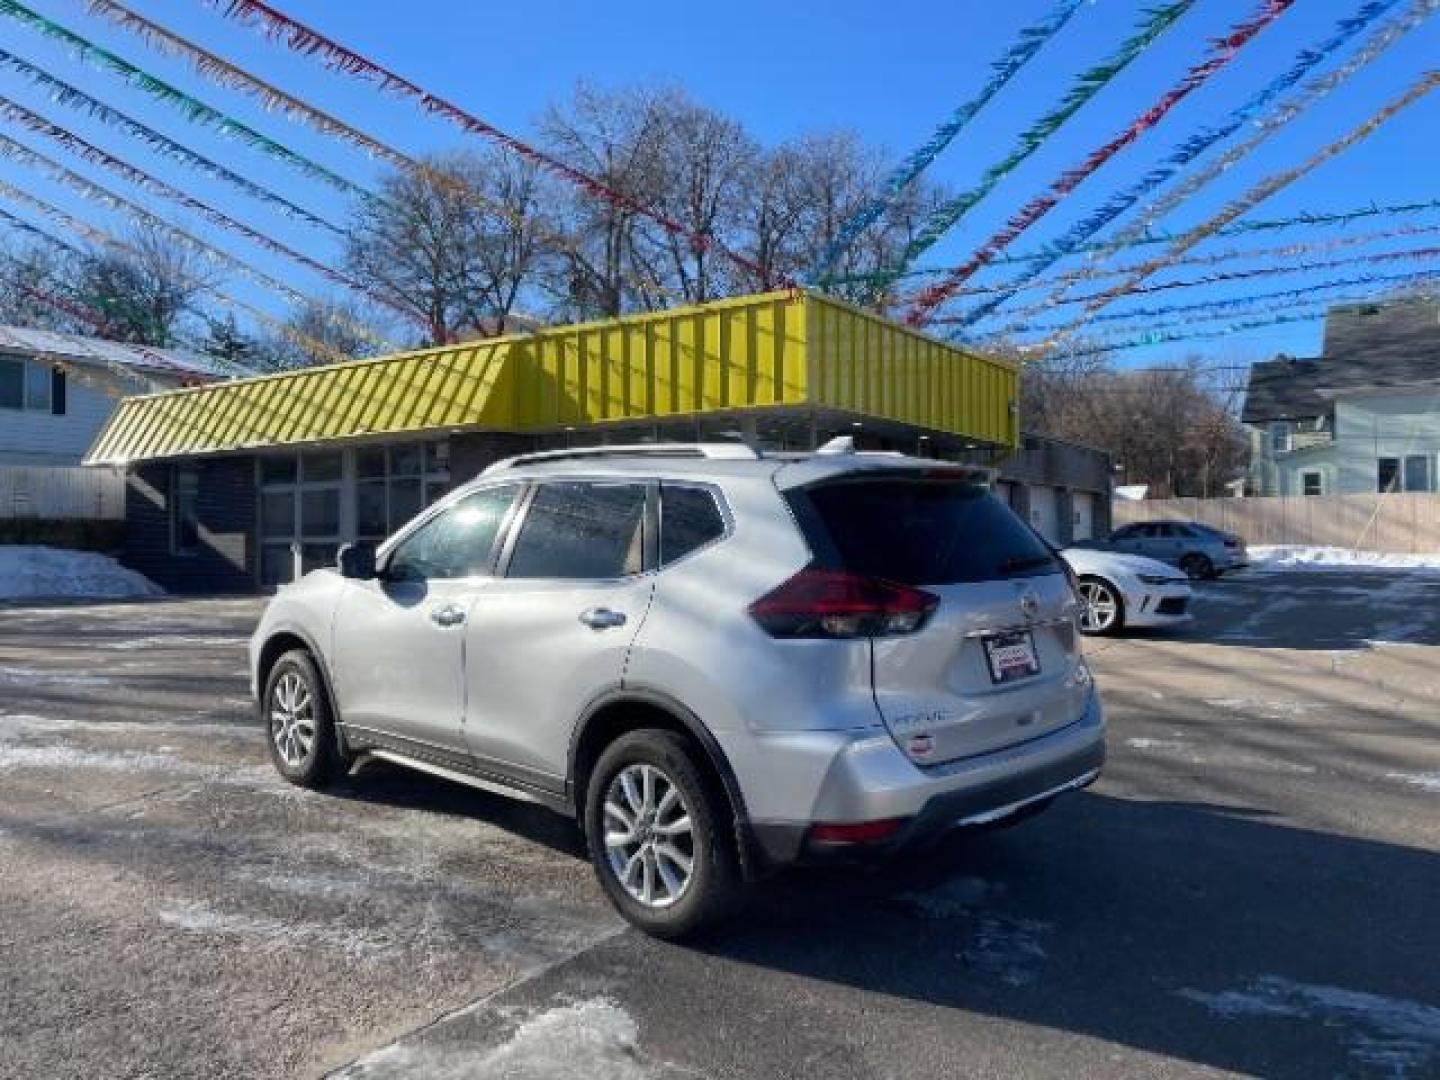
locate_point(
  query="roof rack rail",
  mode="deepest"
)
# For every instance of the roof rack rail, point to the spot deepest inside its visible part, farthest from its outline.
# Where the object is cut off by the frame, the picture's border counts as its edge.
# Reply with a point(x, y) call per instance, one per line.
point(727, 451)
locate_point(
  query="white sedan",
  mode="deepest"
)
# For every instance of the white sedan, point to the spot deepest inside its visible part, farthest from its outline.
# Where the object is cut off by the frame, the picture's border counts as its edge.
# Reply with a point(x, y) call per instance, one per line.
point(1127, 590)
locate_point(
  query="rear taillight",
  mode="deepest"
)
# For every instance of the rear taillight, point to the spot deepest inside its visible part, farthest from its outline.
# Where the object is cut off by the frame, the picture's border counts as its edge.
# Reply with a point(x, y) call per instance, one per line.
point(859, 832)
point(837, 604)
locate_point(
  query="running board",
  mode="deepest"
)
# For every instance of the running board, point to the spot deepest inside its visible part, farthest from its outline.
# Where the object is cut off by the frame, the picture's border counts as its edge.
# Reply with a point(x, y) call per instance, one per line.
point(494, 787)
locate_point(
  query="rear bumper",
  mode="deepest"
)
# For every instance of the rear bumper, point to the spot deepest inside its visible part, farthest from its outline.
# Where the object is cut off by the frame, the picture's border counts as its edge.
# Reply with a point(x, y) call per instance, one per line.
point(872, 781)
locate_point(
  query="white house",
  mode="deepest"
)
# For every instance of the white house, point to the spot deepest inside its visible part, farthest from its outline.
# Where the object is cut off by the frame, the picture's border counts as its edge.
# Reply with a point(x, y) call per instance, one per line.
point(58, 390)
point(1363, 417)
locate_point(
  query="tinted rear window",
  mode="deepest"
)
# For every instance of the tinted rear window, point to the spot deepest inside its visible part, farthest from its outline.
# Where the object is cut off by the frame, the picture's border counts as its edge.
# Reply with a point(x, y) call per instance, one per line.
point(919, 532)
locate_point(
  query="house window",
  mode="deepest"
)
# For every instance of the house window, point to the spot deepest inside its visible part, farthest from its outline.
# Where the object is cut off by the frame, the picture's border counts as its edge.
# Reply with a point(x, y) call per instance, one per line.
point(1387, 474)
point(395, 483)
point(1280, 437)
point(1417, 473)
point(184, 515)
point(32, 385)
point(1312, 482)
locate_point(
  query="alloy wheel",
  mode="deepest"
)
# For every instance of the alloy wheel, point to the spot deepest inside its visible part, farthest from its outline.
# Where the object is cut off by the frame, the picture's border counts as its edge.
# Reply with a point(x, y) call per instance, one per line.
point(292, 718)
point(649, 837)
point(1100, 609)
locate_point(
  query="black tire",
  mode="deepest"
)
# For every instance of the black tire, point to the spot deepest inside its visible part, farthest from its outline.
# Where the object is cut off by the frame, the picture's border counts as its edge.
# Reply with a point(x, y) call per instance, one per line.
point(713, 886)
point(1198, 567)
point(323, 761)
point(1118, 623)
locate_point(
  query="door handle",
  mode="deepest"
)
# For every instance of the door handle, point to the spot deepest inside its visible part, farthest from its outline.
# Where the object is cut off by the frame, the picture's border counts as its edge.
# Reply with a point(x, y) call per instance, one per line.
point(449, 615)
point(599, 618)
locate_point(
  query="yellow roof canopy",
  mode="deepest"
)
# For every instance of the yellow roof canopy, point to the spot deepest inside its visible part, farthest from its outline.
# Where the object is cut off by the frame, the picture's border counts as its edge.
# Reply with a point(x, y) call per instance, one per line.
point(783, 349)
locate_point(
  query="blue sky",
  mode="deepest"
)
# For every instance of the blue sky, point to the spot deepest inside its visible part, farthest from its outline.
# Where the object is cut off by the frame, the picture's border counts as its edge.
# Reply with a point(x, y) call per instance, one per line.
point(890, 71)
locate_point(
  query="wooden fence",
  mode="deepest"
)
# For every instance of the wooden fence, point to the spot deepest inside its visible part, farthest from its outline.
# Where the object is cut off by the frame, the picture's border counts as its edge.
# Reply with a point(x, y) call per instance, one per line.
point(59, 493)
point(1406, 524)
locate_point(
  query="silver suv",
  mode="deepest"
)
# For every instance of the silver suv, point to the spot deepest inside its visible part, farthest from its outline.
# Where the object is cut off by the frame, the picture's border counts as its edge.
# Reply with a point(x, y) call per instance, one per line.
point(720, 663)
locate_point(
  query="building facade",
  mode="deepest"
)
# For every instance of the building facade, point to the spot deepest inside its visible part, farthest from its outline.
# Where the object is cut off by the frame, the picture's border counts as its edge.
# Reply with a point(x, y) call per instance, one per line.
point(244, 485)
point(57, 391)
point(1363, 417)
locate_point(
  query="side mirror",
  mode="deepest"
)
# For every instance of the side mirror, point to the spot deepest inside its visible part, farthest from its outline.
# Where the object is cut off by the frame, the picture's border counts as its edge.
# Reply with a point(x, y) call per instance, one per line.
point(356, 561)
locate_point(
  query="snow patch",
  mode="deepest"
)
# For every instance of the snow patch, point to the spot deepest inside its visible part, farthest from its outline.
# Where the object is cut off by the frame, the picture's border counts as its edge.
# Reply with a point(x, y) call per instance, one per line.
point(201, 919)
point(1427, 781)
point(30, 571)
point(174, 641)
point(1007, 948)
point(14, 676)
point(67, 757)
point(1287, 557)
point(595, 1039)
point(1390, 1034)
point(1155, 744)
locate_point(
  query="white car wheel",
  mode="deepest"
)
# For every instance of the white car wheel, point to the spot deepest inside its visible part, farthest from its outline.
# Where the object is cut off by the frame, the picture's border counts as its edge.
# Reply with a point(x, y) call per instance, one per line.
point(1101, 611)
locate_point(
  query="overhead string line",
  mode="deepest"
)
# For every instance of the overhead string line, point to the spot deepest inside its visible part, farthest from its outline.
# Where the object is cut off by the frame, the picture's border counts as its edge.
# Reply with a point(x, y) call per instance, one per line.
point(1031, 40)
point(102, 238)
point(309, 42)
point(1231, 303)
point(95, 192)
point(193, 108)
point(1222, 52)
point(1208, 279)
point(75, 98)
point(1256, 195)
point(1383, 38)
point(1082, 90)
point(1307, 218)
point(1218, 258)
point(140, 178)
point(1291, 313)
point(231, 77)
point(1188, 150)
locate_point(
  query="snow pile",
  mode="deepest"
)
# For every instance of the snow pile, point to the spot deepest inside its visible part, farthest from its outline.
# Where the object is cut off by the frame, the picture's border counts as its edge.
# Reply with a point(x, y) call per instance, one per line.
point(1331, 558)
point(28, 572)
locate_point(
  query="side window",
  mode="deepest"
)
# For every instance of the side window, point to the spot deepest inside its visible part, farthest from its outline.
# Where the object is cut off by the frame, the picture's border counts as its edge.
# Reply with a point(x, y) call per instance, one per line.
point(689, 519)
point(184, 515)
point(458, 542)
point(581, 531)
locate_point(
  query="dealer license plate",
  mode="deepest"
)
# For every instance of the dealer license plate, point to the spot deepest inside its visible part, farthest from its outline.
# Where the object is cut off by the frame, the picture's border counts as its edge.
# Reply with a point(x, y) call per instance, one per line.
point(1011, 656)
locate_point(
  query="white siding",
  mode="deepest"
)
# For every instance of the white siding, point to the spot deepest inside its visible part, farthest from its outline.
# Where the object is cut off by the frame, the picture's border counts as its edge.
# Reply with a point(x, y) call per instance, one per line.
point(1399, 425)
point(32, 437)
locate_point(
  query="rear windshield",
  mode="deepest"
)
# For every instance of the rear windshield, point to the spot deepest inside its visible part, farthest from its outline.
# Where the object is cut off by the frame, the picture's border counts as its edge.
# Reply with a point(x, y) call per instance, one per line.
point(919, 532)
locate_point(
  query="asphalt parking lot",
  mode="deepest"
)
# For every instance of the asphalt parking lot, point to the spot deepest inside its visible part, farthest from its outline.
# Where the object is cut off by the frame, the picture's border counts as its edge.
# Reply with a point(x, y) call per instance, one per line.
point(1251, 889)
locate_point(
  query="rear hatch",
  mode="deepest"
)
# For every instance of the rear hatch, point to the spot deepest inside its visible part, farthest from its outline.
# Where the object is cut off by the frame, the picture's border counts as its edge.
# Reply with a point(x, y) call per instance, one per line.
point(998, 660)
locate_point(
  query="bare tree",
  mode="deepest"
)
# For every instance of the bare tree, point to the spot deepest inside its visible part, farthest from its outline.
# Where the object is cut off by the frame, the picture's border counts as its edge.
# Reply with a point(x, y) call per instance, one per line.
point(140, 293)
point(1166, 426)
point(453, 243)
point(28, 275)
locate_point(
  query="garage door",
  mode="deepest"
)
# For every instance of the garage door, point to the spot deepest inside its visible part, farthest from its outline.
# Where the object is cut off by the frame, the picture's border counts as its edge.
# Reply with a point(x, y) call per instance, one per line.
point(1084, 504)
point(1045, 512)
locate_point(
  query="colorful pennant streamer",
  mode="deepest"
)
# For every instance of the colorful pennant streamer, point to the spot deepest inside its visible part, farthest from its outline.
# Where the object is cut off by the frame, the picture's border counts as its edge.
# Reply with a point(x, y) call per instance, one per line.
point(1190, 149)
point(229, 76)
point(1085, 87)
point(1270, 124)
point(310, 42)
point(1256, 195)
point(72, 97)
point(102, 238)
point(1222, 51)
point(1307, 219)
point(1031, 40)
point(94, 192)
point(89, 152)
point(1047, 305)
point(1183, 330)
point(1240, 302)
point(193, 108)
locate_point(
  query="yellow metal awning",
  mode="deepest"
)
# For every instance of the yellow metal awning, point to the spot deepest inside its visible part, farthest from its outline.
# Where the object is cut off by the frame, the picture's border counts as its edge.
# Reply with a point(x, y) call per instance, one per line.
point(785, 349)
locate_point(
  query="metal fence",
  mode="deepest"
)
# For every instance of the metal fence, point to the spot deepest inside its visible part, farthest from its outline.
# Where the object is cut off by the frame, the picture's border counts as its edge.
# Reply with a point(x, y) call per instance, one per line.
point(62, 493)
point(1406, 524)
